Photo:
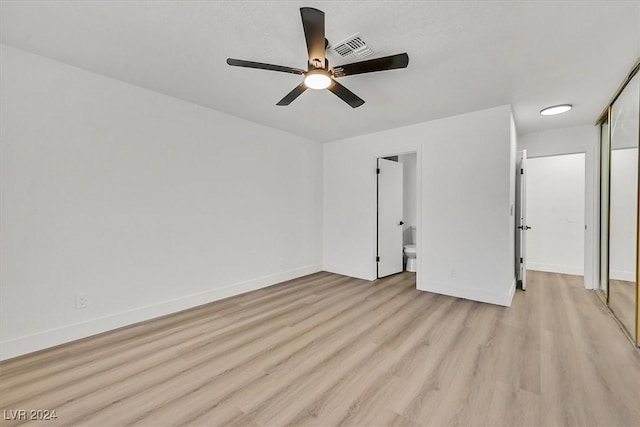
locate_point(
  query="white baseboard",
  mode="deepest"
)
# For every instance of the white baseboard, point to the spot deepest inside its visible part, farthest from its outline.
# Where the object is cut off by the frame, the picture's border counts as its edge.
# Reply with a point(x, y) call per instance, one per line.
point(346, 270)
point(512, 290)
point(628, 276)
point(553, 268)
point(474, 294)
point(52, 337)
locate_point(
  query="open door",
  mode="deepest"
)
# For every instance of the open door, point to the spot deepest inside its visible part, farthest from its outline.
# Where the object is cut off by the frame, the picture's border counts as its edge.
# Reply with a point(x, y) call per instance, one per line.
point(521, 219)
point(390, 248)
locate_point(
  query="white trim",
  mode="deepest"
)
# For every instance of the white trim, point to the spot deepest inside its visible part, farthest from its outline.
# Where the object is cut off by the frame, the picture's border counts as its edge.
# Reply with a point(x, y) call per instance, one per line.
point(347, 270)
point(512, 291)
point(595, 226)
point(554, 268)
point(627, 276)
point(473, 294)
point(64, 334)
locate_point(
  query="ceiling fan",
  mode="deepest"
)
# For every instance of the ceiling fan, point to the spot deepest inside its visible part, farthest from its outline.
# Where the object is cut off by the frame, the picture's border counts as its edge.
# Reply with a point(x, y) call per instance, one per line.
point(318, 74)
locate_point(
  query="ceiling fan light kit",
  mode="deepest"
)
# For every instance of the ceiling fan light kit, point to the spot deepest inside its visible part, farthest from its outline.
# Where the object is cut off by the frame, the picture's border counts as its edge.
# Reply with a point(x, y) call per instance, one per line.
point(318, 74)
point(317, 79)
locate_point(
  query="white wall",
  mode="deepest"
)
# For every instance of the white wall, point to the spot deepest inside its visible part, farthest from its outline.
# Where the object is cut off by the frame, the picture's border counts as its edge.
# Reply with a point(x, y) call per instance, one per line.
point(147, 203)
point(409, 199)
point(465, 230)
point(580, 139)
point(623, 221)
point(555, 211)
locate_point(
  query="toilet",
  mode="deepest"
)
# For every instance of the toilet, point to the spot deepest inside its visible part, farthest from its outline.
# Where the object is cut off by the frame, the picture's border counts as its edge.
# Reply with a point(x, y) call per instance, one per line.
point(410, 252)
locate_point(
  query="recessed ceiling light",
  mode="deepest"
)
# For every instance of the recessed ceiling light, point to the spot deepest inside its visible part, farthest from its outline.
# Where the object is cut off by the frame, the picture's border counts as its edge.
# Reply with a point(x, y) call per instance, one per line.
point(555, 109)
point(317, 79)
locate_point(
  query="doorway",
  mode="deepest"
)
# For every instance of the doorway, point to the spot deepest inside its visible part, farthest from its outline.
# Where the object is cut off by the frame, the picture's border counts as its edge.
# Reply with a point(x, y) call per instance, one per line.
point(555, 210)
point(396, 219)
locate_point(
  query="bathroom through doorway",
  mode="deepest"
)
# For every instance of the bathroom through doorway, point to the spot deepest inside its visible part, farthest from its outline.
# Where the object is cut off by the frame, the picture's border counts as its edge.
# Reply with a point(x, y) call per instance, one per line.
point(397, 214)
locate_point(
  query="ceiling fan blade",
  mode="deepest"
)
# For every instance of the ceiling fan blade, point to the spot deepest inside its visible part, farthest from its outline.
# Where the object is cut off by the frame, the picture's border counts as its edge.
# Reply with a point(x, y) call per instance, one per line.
point(291, 96)
point(379, 64)
point(313, 24)
point(262, 66)
point(345, 94)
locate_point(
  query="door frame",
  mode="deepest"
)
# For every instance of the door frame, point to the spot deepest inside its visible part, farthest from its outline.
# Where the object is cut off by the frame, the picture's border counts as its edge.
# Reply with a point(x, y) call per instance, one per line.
point(521, 219)
point(374, 214)
point(591, 266)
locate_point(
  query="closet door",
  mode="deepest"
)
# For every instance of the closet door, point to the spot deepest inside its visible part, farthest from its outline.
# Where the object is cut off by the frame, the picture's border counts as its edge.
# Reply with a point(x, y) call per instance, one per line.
point(623, 213)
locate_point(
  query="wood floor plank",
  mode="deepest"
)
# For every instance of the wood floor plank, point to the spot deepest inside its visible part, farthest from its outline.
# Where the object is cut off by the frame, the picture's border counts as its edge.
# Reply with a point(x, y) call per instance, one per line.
point(327, 350)
point(233, 352)
point(335, 404)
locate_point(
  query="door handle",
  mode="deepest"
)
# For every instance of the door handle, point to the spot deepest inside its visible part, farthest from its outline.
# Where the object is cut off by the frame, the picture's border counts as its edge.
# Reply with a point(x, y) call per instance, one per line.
point(524, 227)
point(401, 223)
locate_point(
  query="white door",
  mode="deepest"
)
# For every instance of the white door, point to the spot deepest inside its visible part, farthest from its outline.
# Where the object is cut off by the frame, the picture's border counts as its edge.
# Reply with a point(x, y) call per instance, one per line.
point(521, 218)
point(390, 248)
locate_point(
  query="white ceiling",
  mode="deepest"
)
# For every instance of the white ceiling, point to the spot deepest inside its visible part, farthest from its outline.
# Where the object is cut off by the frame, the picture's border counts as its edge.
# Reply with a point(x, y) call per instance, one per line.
point(464, 56)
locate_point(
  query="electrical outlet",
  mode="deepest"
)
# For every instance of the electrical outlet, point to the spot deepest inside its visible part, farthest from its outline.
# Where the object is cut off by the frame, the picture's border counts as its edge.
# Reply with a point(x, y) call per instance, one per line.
point(82, 300)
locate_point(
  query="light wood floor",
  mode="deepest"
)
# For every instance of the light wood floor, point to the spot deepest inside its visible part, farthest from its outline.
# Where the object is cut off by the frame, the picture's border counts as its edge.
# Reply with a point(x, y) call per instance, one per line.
point(622, 300)
point(330, 350)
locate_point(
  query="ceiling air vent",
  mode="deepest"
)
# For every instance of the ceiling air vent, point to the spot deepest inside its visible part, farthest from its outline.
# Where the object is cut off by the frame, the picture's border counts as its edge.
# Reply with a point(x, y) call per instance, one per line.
point(352, 46)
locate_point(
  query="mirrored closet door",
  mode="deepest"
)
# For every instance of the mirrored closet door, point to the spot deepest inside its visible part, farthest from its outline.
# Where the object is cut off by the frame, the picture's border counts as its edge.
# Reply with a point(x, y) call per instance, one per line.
point(623, 195)
point(620, 134)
